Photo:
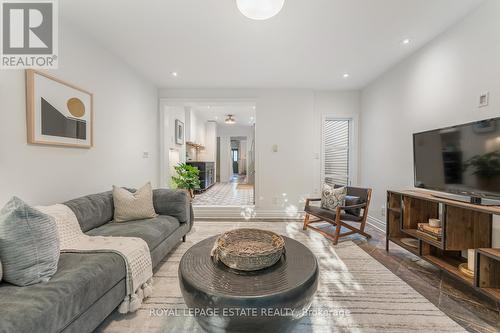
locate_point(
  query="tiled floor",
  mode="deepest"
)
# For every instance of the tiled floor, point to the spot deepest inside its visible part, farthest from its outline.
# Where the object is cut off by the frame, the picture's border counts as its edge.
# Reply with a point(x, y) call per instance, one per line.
point(226, 194)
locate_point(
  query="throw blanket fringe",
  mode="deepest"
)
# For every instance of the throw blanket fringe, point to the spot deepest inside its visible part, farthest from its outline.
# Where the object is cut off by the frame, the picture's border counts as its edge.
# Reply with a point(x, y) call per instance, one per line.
point(134, 251)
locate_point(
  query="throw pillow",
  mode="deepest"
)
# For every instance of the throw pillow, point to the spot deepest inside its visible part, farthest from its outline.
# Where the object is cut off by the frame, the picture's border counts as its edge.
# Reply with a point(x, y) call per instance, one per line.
point(331, 197)
point(29, 244)
point(133, 206)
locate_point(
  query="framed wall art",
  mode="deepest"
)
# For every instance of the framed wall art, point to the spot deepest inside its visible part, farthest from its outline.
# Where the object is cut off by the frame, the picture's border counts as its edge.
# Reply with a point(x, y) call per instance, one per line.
point(58, 113)
point(179, 132)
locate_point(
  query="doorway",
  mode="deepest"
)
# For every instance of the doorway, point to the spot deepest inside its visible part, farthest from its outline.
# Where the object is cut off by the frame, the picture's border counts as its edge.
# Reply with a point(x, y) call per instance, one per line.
point(219, 136)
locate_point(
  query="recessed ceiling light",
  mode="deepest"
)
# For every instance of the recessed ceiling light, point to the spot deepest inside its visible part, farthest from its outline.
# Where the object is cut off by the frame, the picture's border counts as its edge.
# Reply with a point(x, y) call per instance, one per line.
point(216, 117)
point(251, 118)
point(346, 75)
point(208, 106)
point(406, 41)
point(174, 74)
point(253, 107)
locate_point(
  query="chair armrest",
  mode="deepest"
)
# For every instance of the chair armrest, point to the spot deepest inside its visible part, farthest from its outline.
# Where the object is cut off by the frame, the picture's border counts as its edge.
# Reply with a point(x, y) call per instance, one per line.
point(175, 203)
point(311, 199)
point(361, 205)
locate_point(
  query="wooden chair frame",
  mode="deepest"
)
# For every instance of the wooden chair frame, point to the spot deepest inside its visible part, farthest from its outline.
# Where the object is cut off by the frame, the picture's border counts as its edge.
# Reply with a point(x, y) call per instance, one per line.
point(338, 222)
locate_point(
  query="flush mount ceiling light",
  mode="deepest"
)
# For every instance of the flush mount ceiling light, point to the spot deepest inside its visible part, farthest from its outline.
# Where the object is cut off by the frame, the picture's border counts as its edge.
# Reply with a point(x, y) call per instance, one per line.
point(406, 41)
point(260, 9)
point(174, 74)
point(346, 75)
point(230, 119)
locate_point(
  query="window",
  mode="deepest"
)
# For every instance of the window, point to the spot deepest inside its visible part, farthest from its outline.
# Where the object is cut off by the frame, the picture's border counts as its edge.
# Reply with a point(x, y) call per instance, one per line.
point(336, 151)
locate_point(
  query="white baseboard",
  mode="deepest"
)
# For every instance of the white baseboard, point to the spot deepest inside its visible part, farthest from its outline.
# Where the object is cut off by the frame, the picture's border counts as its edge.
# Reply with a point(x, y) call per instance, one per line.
point(247, 213)
point(376, 223)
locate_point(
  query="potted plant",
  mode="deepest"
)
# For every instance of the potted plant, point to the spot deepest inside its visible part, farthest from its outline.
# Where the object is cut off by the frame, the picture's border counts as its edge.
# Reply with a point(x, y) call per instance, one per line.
point(187, 177)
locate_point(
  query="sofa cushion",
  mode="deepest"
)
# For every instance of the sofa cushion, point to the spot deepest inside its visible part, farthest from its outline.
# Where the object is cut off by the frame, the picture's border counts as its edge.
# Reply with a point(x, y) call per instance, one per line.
point(153, 231)
point(80, 280)
point(92, 211)
point(29, 244)
point(136, 205)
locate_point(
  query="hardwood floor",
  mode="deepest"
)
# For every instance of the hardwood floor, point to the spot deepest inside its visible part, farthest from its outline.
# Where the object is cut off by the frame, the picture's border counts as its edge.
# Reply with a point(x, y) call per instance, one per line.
point(460, 302)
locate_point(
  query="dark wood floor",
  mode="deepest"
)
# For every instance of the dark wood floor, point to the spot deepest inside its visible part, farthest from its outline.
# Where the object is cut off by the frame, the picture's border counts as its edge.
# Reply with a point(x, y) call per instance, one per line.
point(460, 302)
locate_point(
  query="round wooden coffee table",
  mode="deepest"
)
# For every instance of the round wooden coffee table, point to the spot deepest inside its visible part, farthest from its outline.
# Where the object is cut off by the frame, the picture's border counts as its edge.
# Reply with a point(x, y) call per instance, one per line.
point(269, 300)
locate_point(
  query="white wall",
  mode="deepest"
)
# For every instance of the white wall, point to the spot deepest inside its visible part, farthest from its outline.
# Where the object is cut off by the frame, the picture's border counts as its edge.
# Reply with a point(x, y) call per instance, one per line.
point(290, 118)
point(438, 86)
point(126, 125)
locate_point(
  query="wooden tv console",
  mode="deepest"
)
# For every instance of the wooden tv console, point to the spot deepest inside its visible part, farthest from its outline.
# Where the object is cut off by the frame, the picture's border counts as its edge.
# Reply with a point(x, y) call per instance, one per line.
point(465, 226)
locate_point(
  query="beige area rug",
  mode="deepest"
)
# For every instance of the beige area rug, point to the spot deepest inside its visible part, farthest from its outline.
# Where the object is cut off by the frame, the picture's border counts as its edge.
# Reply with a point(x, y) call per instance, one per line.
point(356, 293)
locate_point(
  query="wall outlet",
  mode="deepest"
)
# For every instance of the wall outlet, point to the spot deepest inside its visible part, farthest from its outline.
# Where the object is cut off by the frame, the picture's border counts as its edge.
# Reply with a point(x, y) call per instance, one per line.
point(484, 99)
point(275, 148)
point(382, 211)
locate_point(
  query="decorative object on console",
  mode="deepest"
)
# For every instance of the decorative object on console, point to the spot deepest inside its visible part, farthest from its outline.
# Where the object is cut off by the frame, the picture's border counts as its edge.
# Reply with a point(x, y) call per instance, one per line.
point(331, 197)
point(58, 113)
point(133, 206)
point(29, 245)
point(410, 242)
point(435, 223)
point(248, 249)
point(179, 132)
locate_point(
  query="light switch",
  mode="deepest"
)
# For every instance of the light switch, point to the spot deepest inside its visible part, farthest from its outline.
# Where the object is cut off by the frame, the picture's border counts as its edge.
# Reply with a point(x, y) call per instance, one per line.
point(145, 154)
point(275, 148)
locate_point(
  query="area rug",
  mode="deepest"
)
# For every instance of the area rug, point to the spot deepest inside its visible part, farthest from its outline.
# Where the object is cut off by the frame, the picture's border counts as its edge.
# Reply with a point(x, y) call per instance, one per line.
point(356, 293)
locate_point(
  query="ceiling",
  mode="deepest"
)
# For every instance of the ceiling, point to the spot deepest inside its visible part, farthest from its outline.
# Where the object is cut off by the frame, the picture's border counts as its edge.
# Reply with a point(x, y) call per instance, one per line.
point(309, 44)
point(244, 113)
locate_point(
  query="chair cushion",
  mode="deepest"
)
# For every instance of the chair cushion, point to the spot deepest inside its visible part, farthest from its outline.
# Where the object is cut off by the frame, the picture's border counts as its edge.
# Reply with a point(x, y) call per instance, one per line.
point(29, 244)
point(351, 200)
point(153, 231)
point(81, 279)
point(330, 215)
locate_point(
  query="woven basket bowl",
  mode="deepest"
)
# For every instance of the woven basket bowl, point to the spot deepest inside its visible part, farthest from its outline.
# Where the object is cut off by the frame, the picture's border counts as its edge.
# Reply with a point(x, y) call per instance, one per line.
point(248, 249)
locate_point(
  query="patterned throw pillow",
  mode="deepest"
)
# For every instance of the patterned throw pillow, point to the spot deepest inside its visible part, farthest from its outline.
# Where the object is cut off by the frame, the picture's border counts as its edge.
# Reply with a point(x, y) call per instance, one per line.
point(29, 244)
point(331, 197)
point(133, 206)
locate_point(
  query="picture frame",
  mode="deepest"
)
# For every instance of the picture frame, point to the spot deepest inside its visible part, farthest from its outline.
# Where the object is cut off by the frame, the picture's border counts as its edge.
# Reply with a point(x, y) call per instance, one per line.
point(179, 132)
point(58, 113)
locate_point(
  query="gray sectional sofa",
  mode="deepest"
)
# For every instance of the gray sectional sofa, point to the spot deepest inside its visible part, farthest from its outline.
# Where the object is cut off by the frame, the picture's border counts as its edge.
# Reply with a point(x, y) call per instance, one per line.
point(88, 287)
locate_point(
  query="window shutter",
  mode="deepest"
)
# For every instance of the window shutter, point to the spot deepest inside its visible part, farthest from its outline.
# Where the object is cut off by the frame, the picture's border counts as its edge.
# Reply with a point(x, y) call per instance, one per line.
point(336, 152)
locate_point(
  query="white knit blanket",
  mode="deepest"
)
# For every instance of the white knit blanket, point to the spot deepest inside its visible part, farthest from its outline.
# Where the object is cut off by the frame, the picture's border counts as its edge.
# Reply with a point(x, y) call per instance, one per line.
point(134, 251)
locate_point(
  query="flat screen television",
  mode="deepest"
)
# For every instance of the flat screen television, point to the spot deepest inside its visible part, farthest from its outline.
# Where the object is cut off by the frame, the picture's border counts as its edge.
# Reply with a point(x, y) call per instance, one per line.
point(462, 159)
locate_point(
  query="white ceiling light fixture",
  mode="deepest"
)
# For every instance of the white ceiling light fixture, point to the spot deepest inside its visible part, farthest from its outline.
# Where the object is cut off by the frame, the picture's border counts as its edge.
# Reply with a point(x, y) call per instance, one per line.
point(260, 9)
point(230, 119)
point(406, 41)
point(346, 75)
point(174, 74)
